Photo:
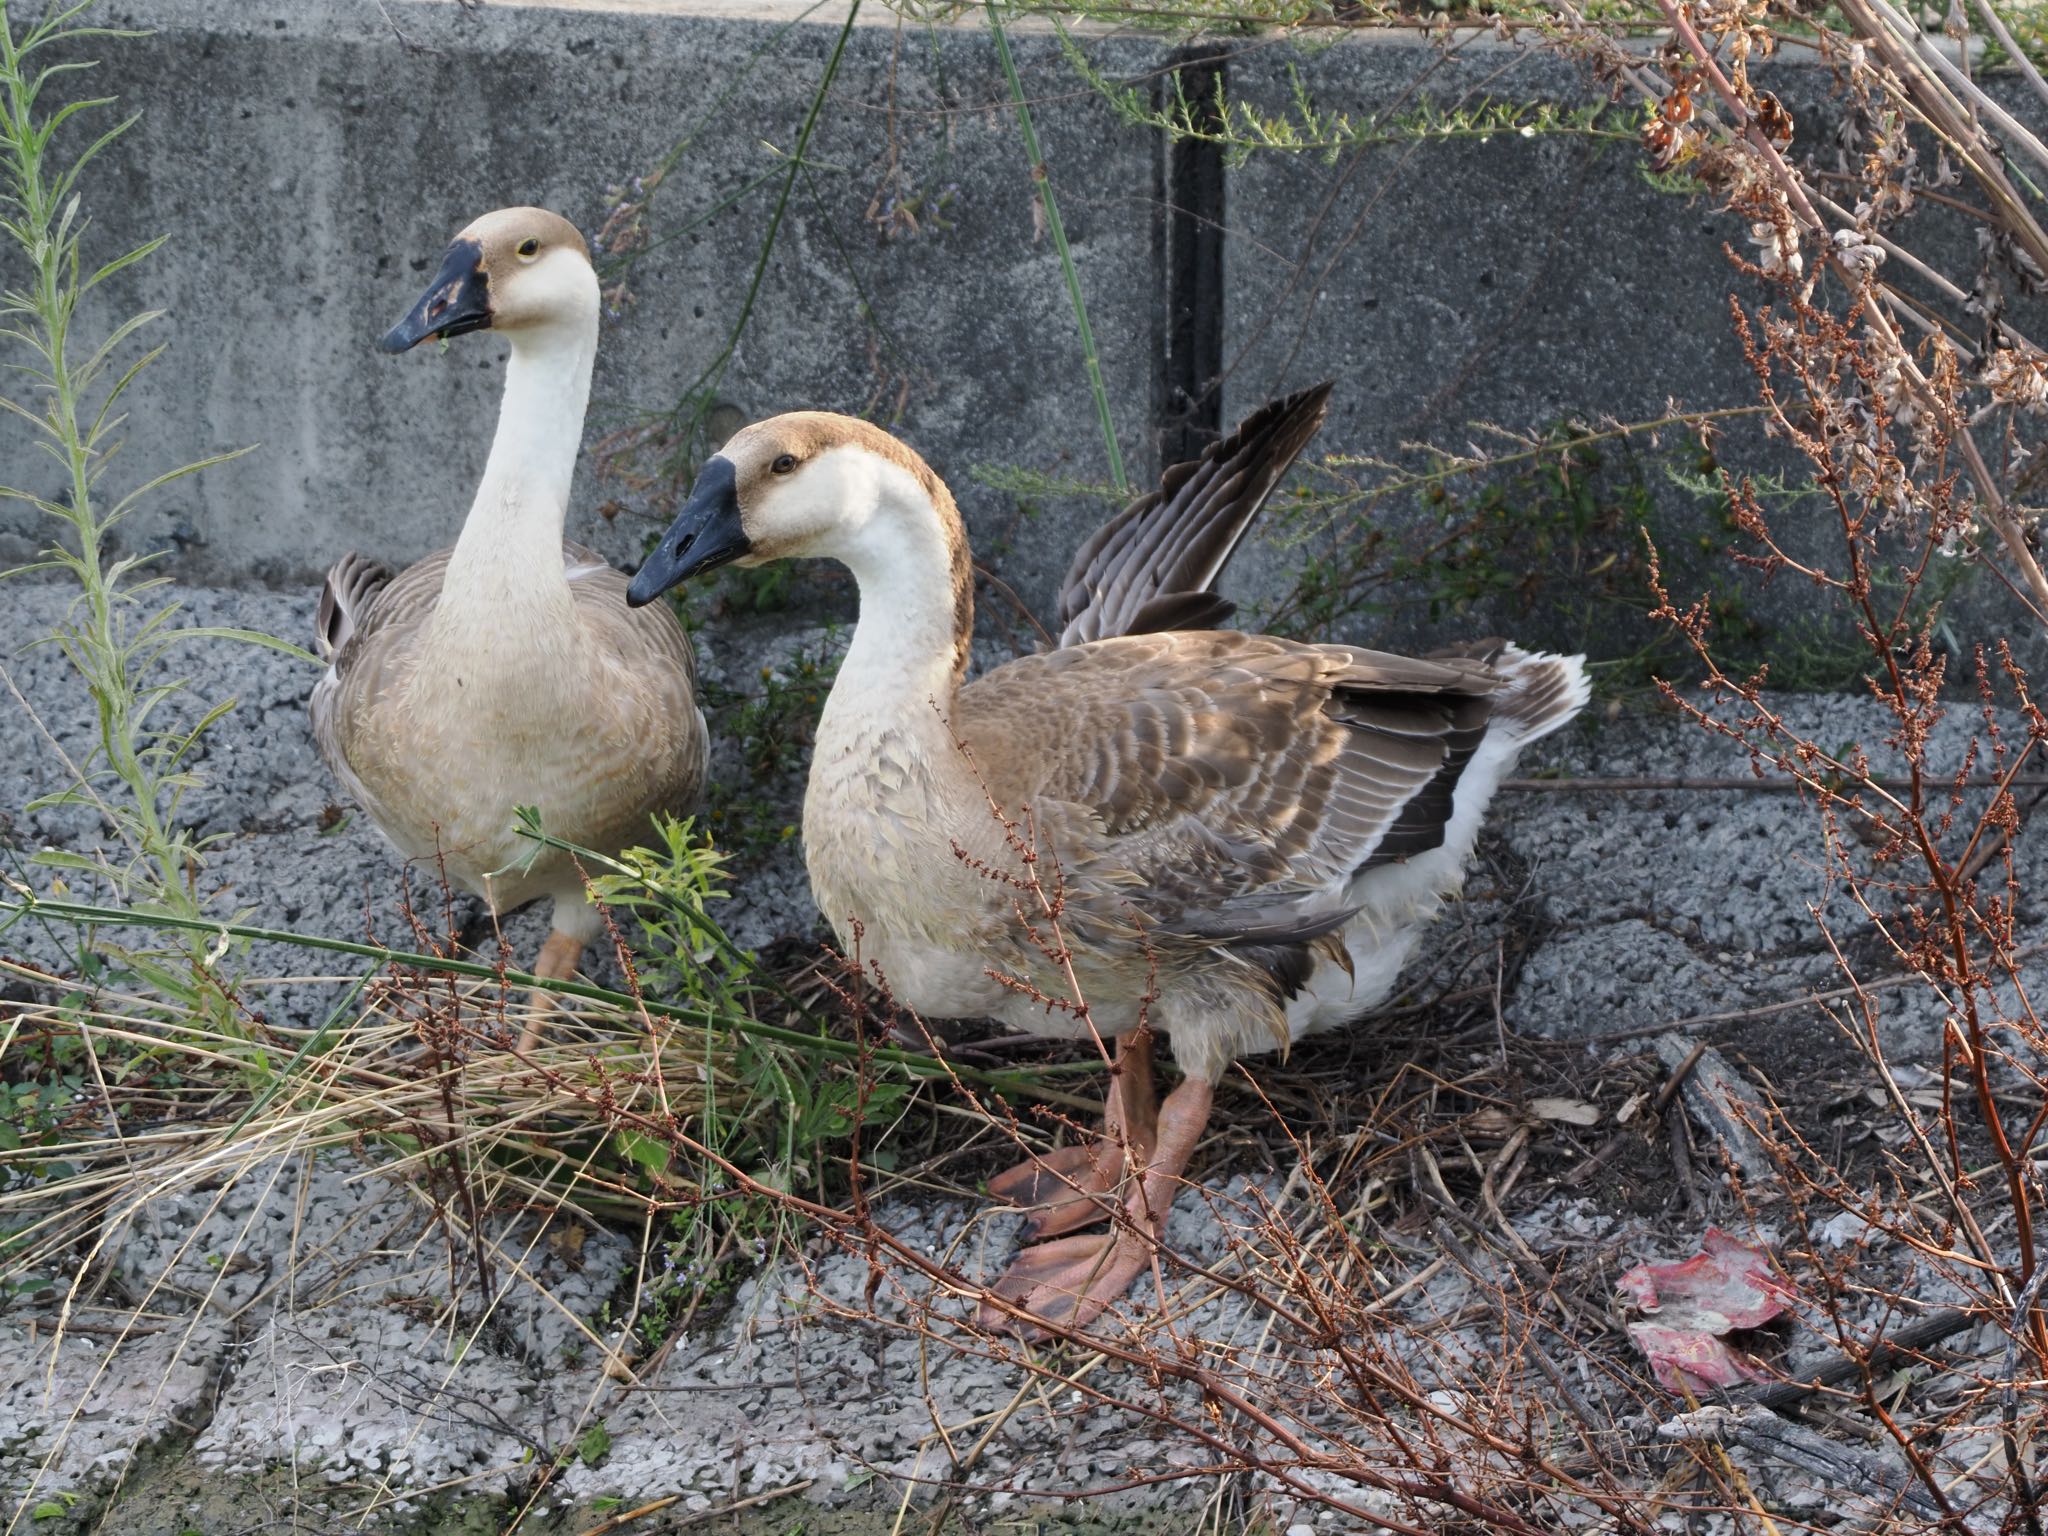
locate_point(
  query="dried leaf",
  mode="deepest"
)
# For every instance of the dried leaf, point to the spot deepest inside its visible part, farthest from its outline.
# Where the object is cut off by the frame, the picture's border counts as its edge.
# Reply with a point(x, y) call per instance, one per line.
point(1490, 1125)
point(1570, 1111)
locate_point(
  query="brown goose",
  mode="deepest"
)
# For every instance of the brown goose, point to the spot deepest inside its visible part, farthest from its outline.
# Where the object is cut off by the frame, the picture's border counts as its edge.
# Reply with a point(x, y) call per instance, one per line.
point(1251, 829)
point(510, 670)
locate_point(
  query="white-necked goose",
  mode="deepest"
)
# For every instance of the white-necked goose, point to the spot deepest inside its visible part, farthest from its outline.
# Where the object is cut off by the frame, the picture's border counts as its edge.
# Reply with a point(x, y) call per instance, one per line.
point(510, 670)
point(1253, 829)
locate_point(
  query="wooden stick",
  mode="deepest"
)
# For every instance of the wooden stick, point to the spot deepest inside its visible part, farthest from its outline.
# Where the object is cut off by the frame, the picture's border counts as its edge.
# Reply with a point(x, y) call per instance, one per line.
point(1840, 1466)
point(1841, 1366)
point(1719, 1100)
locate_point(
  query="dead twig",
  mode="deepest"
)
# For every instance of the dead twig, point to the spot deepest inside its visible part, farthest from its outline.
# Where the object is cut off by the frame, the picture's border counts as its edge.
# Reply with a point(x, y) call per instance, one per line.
point(626, 1517)
point(1845, 1365)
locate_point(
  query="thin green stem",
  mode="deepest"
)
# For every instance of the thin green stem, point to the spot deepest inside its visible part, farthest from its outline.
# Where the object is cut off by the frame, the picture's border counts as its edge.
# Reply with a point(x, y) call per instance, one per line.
point(1328, 509)
point(27, 903)
point(1043, 183)
point(714, 370)
point(114, 638)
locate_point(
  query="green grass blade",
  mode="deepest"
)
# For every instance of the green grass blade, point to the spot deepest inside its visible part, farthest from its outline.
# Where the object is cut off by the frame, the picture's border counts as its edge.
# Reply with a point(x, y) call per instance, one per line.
point(1058, 231)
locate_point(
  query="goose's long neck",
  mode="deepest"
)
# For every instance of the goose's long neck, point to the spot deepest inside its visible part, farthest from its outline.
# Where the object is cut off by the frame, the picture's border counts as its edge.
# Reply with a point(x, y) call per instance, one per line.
point(507, 564)
point(910, 645)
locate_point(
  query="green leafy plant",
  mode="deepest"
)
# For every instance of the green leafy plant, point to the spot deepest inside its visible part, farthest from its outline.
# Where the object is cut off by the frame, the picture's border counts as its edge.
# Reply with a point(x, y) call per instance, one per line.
point(1549, 536)
point(1241, 126)
point(594, 1445)
point(766, 1106)
point(69, 388)
point(773, 731)
point(673, 440)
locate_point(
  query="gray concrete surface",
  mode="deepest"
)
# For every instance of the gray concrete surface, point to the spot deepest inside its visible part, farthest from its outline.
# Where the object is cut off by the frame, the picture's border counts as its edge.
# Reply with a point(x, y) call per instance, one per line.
point(1665, 904)
point(309, 158)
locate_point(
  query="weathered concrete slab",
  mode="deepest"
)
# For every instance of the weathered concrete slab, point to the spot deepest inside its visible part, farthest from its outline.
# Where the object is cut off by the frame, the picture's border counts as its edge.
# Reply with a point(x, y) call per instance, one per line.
point(310, 164)
point(1659, 904)
point(1517, 281)
point(337, 1352)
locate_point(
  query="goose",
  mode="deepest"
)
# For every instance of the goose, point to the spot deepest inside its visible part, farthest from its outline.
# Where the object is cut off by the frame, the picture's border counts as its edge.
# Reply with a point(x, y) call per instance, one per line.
point(1247, 834)
point(509, 670)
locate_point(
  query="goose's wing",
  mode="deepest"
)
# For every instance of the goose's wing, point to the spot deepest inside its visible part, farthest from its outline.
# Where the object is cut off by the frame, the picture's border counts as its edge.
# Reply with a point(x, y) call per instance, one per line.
point(367, 623)
point(364, 605)
point(369, 630)
point(1231, 786)
point(1152, 566)
point(654, 673)
point(352, 585)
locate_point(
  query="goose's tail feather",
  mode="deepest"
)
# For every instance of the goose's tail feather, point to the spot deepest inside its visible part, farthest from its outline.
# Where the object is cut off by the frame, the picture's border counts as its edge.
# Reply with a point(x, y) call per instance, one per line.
point(352, 584)
point(1543, 692)
point(1153, 565)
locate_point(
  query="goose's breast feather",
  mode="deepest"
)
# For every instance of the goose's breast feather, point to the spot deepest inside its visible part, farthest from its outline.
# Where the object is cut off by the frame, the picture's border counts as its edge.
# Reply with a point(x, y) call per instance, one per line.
point(1228, 786)
point(603, 730)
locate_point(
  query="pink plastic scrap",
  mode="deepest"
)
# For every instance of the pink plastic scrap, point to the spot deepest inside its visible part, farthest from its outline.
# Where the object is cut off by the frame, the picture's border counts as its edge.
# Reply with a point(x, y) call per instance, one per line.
point(1689, 1307)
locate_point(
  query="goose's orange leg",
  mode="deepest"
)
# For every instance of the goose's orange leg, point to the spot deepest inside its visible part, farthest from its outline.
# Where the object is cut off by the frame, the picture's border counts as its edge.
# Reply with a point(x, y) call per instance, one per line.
point(1071, 1279)
point(559, 958)
point(1072, 1186)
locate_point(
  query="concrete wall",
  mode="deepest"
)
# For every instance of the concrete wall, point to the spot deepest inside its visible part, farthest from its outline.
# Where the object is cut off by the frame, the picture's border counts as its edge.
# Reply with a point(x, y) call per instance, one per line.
point(1517, 282)
point(310, 167)
point(310, 158)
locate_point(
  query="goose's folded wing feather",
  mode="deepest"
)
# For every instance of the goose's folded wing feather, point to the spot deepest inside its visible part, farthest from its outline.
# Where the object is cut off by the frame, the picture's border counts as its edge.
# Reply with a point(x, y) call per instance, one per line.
point(1151, 567)
point(367, 617)
point(346, 596)
point(1232, 785)
point(651, 658)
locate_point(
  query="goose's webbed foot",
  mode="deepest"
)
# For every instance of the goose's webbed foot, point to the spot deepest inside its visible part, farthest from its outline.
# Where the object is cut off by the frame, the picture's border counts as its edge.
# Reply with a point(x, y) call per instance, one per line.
point(1070, 1280)
point(1072, 1186)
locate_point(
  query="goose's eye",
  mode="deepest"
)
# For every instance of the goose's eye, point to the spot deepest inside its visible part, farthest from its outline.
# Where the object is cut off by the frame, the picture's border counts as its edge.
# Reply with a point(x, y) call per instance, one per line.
point(784, 463)
point(529, 247)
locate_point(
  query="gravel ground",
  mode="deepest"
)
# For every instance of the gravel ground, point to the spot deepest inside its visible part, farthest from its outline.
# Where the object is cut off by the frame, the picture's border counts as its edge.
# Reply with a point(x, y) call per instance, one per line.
point(281, 1332)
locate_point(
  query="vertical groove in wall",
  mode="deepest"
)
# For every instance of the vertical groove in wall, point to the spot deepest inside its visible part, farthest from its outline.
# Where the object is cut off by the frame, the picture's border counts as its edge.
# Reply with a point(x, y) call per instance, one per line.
point(1189, 249)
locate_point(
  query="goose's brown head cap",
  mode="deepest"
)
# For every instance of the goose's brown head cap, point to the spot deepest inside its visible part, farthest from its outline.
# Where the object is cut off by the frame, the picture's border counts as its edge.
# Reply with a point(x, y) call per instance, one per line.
point(752, 504)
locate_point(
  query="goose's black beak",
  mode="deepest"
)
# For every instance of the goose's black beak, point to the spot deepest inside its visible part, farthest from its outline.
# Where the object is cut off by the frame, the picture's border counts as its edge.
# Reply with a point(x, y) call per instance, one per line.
point(457, 301)
point(705, 534)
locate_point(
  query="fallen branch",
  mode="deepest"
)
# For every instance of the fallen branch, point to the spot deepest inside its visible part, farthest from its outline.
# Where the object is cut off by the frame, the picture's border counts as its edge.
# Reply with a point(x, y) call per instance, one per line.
point(1699, 1021)
point(1844, 1469)
point(1876, 1356)
point(1718, 1100)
